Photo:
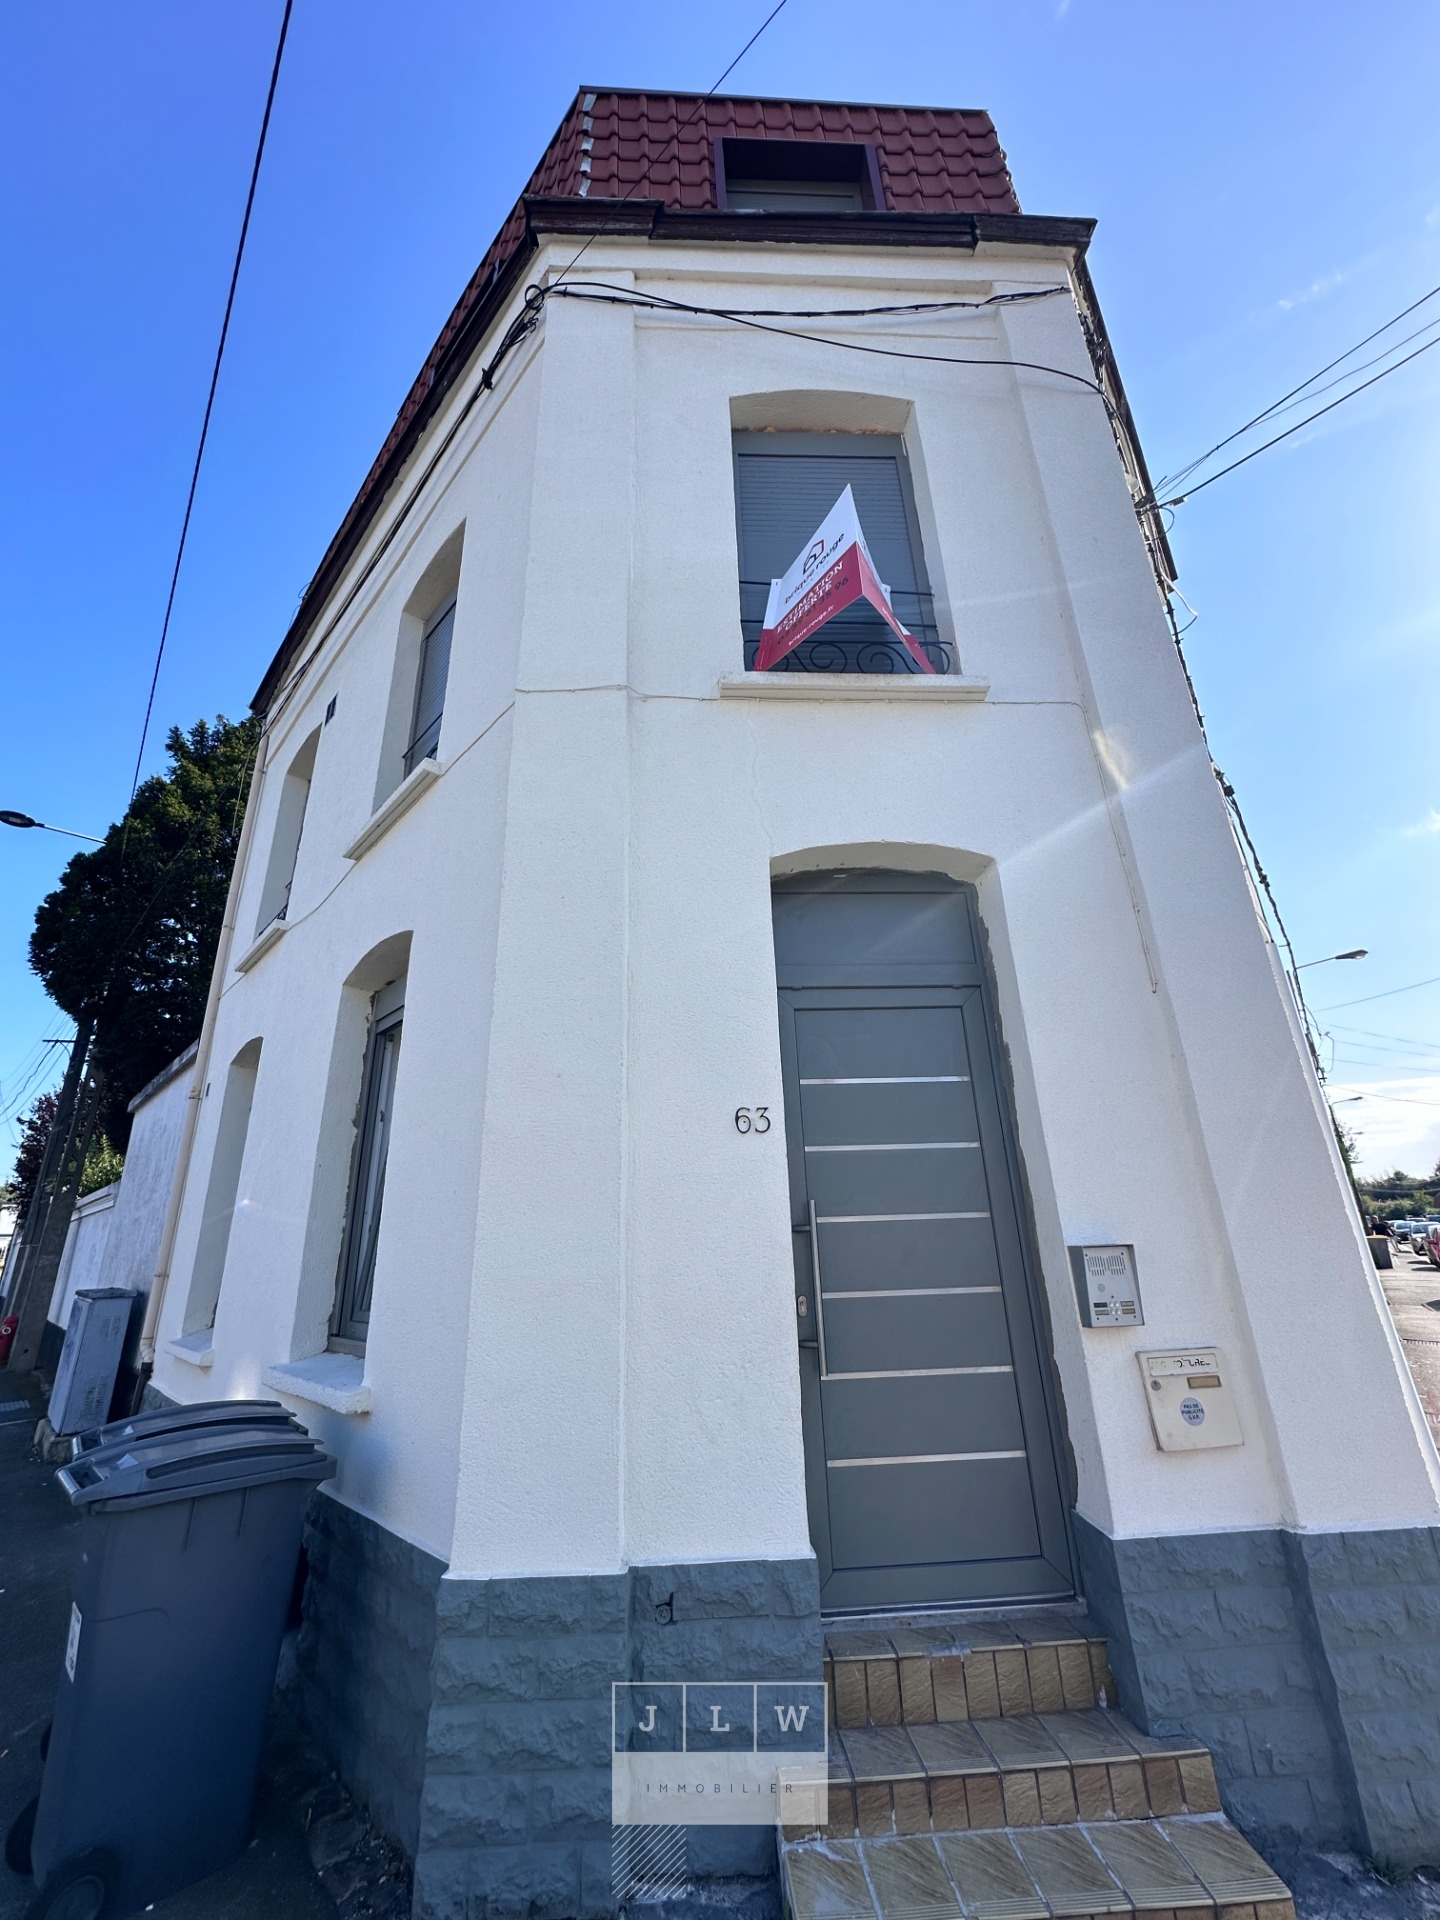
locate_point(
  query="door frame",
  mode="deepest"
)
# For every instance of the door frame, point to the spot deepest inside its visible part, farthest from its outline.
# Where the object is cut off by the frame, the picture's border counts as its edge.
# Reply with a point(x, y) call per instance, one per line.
point(898, 880)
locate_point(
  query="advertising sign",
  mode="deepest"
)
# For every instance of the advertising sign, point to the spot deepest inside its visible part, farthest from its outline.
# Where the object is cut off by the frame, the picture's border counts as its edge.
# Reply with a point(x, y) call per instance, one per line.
point(832, 572)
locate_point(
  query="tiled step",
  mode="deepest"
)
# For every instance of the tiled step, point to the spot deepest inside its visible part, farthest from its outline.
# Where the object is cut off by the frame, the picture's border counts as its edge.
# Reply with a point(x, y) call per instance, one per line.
point(923, 1674)
point(1176, 1869)
point(1021, 1771)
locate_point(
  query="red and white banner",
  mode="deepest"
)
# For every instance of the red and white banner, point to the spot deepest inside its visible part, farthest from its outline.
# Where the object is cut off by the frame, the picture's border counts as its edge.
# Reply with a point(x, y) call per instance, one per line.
point(832, 572)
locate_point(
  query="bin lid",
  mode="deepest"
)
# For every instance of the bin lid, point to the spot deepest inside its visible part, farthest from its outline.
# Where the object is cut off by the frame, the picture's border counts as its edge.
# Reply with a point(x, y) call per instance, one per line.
point(204, 1413)
point(185, 1465)
point(113, 1448)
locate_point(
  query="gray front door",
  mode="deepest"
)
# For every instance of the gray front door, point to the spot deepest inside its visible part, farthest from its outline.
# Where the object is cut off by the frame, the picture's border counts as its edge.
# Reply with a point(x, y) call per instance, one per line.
point(930, 1437)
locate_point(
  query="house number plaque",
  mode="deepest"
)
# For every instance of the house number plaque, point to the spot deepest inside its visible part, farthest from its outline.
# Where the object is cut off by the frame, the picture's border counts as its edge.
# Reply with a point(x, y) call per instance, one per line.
point(752, 1120)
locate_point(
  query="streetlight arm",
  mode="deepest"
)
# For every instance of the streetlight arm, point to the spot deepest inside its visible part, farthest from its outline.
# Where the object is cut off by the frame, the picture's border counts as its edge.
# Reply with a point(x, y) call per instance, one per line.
point(1355, 953)
point(9, 818)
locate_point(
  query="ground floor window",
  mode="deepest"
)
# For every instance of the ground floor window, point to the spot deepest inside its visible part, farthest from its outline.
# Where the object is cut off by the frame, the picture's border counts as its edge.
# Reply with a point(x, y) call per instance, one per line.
point(367, 1178)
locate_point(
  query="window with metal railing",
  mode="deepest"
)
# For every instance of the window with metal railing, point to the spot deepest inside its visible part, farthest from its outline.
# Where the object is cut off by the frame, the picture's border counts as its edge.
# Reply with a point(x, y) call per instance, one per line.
point(785, 485)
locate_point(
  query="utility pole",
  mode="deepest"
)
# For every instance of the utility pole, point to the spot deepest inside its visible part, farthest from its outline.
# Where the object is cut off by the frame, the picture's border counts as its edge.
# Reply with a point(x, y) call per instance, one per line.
point(41, 1236)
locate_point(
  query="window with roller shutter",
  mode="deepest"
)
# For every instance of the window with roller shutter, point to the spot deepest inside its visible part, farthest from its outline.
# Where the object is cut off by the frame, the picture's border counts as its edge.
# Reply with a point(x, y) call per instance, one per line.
point(785, 484)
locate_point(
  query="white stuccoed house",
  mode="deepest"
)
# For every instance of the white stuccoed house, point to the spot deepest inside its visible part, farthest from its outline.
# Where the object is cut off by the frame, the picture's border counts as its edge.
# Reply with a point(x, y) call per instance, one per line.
point(653, 1114)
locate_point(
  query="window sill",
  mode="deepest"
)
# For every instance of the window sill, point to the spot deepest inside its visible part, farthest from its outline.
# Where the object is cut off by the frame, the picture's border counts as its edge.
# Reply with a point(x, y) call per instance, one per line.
point(195, 1349)
point(389, 811)
point(258, 949)
point(851, 686)
point(333, 1380)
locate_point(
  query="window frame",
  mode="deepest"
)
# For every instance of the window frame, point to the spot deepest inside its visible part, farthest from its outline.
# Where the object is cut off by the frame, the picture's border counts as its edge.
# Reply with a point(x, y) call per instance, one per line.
point(287, 833)
point(872, 186)
point(365, 1191)
point(412, 755)
point(818, 441)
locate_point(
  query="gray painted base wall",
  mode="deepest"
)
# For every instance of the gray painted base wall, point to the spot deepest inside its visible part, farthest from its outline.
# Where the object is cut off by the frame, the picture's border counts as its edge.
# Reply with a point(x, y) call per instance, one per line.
point(362, 1668)
point(473, 1716)
point(516, 1807)
point(1308, 1663)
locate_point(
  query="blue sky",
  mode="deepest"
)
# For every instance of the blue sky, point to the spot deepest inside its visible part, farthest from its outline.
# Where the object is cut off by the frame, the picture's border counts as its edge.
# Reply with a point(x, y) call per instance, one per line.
point(1267, 183)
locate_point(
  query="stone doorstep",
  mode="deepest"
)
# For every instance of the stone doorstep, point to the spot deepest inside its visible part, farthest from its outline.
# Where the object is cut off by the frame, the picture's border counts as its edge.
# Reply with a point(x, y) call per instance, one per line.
point(931, 1673)
point(1178, 1869)
point(1023, 1771)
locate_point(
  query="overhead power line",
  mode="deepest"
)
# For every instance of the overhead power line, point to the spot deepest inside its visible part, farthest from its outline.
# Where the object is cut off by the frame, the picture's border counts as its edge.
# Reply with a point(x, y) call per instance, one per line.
point(1178, 499)
point(1389, 993)
point(1402, 1040)
point(683, 128)
point(1174, 479)
point(214, 382)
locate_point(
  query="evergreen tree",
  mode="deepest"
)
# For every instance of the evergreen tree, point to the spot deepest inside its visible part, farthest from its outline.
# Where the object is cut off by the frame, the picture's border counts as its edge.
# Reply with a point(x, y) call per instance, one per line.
point(130, 933)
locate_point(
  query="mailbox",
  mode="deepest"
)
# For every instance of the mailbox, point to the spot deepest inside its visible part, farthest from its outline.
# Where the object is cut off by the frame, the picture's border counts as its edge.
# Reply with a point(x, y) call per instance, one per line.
point(1188, 1393)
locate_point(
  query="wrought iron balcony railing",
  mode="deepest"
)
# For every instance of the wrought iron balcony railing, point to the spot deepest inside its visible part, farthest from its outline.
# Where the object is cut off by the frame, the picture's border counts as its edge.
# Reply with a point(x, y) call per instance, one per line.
point(856, 641)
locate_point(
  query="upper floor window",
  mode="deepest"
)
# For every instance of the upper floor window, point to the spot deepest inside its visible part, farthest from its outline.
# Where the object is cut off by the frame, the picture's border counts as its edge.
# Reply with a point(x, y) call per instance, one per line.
point(785, 486)
point(289, 826)
point(430, 684)
point(797, 176)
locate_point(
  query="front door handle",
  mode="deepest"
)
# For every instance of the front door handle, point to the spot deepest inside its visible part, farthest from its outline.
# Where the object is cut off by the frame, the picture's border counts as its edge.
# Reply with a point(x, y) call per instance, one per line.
point(816, 1290)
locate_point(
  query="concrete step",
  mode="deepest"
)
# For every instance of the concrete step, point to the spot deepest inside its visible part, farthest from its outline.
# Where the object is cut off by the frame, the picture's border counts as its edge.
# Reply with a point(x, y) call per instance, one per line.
point(927, 1673)
point(1022, 1770)
point(1184, 1868)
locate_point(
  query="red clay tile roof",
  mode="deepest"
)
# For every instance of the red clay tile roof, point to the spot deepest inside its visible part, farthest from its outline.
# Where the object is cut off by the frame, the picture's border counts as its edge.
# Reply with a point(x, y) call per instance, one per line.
point(931, 160)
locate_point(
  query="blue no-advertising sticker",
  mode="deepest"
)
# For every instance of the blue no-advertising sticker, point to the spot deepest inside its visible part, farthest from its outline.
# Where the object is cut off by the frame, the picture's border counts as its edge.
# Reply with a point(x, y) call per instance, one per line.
point(1191, 1412)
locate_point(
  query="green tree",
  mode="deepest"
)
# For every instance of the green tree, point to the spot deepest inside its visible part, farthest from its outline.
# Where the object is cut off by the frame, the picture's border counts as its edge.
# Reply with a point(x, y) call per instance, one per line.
point(34, 1132)
point(130, 933)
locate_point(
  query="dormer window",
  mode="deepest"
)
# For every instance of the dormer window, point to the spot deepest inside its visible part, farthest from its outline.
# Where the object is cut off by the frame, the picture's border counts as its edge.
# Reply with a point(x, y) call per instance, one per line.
point(797, 176)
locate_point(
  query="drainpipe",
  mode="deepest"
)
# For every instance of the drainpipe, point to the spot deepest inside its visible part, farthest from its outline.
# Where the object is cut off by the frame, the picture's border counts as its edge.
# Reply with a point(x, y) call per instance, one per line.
point(161, 1277)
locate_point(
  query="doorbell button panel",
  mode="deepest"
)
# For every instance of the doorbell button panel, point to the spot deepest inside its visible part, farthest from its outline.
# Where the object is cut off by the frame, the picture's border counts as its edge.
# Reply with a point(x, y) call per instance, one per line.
point(1188, 1393)
point(1106, 1286)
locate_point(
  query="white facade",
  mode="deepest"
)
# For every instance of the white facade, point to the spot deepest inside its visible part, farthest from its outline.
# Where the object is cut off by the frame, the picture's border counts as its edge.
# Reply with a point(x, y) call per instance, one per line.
point(581, 1354)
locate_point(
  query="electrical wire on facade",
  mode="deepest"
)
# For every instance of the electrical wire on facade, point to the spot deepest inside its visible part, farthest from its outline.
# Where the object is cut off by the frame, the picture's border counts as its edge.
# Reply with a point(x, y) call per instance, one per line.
point(1260, 880)
point(525, 323)
point(619, 296)
point(760, 319)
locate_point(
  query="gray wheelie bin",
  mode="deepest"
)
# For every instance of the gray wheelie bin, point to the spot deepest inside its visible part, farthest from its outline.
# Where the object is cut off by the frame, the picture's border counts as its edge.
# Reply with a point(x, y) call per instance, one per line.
point(201, 1413)
point(189, 1545)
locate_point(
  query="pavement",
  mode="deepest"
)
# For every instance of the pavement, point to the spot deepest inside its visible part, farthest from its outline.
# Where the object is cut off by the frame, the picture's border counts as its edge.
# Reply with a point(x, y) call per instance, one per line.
point(1412, 1287)
point(312, 1855)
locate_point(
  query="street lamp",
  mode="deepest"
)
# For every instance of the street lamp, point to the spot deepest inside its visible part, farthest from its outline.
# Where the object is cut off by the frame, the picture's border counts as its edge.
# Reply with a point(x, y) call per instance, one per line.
point(8, 818)
point(1355, 953)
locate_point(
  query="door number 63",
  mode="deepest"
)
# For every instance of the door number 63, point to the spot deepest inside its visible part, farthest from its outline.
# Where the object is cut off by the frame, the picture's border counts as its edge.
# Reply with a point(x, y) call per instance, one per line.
point(752, 1120)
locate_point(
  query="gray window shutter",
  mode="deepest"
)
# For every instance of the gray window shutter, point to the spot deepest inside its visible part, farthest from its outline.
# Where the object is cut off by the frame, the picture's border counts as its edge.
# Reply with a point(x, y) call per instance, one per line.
point(430, 688)
point(785, 484)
